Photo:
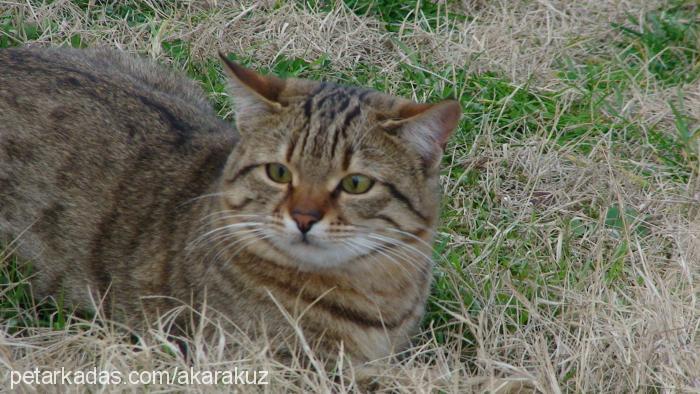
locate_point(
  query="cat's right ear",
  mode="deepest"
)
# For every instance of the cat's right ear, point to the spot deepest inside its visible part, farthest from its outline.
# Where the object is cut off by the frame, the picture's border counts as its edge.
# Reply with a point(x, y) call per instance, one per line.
point(253, 95)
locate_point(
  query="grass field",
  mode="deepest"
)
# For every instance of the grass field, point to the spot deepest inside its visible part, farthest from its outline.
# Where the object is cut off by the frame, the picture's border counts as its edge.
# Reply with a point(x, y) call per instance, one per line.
point(568, 254)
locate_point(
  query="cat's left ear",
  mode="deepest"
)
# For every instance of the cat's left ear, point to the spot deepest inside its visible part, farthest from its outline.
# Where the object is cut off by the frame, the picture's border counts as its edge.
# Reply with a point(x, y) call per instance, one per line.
point(427, 127)
point(253, 94)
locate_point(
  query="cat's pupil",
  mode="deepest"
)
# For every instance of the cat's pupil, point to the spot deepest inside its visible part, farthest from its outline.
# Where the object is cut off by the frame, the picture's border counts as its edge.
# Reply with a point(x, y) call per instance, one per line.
point(280, 172)
point(355, 181)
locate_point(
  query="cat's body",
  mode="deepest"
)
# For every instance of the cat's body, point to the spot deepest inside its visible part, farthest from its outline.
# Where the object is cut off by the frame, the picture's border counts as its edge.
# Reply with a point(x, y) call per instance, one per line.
point(117, 179)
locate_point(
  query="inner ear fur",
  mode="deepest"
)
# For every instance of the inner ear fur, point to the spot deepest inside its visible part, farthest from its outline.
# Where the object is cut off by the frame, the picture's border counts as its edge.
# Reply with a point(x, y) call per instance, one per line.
point(251, 91)
point(426, 127)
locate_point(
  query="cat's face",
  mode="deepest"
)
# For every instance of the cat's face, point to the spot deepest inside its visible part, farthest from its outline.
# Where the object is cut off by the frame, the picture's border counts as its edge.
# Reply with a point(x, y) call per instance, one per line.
point(325, 174)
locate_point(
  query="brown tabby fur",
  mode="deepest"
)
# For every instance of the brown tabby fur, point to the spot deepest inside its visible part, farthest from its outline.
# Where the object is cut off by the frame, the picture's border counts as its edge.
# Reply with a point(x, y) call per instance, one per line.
point(118, 180)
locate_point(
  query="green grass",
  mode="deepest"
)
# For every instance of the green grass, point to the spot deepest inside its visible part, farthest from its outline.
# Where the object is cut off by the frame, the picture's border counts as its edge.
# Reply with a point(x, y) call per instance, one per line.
point(587, 109)
point(19, 309)
point(666, 41)
point(395, 12)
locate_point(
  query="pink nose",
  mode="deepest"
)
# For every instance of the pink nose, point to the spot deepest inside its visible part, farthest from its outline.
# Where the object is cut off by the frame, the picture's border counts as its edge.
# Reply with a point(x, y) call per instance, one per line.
point(305, 219)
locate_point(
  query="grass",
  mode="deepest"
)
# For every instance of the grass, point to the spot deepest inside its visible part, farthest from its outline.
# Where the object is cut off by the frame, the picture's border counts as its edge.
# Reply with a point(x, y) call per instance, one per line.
point(666, 42)
point(567, 254)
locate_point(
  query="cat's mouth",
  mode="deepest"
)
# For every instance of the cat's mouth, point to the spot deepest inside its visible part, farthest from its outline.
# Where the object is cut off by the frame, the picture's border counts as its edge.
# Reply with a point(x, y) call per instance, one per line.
point(311, 250)
point(307, 241)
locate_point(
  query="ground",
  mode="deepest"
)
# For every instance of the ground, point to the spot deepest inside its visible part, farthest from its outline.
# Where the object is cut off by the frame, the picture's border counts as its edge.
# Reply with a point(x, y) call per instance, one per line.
point(568, 253)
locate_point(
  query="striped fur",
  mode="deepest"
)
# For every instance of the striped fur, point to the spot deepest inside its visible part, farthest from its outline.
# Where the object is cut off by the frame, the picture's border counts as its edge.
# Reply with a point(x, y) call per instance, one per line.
point(123, 183)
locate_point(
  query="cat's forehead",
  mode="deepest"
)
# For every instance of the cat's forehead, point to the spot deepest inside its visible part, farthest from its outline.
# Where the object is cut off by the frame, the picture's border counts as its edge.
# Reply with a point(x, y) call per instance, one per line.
point(338, 122)
point(329, 98)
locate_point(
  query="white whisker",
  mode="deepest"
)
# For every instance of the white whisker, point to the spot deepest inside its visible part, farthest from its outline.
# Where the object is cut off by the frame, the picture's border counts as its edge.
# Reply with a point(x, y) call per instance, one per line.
point(398, 243)
point(251, 236)
point(203, 196)
point(253, 240)
point(412, 236)
point(402, 255)
point(227, 227)
point(228, 214)
point(378, 250)
point(237, 237)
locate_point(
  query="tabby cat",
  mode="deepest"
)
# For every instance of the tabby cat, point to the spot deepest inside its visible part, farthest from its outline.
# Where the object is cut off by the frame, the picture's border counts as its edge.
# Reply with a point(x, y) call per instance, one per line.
point(118, 182)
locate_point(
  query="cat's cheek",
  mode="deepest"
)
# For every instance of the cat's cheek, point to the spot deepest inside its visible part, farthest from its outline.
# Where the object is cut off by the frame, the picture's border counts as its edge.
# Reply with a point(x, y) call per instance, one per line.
point(252, 192)
point(360, 212)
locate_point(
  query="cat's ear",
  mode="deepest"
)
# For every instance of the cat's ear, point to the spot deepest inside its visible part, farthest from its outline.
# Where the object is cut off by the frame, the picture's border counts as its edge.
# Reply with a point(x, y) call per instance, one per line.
point(253, 94)
point(426, 127)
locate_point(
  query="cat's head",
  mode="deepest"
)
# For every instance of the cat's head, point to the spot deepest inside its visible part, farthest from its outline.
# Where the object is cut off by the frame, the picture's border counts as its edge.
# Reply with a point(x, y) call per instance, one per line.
point(325, 174)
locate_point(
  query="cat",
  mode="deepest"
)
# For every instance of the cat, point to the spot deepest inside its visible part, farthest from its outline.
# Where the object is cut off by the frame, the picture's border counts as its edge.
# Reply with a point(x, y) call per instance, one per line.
point(121, 186)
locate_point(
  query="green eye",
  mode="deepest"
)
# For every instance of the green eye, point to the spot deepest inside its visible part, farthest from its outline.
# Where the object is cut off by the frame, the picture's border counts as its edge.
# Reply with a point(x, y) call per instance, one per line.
point(356, 184)
point(278, 173)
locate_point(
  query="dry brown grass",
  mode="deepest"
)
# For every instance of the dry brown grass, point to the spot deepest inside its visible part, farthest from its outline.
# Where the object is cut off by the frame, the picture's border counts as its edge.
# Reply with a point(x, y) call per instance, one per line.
point(584, 334)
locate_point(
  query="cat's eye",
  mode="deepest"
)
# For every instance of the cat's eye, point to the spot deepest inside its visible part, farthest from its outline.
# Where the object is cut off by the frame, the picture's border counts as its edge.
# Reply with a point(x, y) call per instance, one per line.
point(356, 184)
point(278, 173)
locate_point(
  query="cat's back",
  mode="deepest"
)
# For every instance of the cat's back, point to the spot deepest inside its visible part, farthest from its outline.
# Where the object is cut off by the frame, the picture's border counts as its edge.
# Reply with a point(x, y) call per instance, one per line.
point(40, 86)
point(95, 67)
point(92, 141)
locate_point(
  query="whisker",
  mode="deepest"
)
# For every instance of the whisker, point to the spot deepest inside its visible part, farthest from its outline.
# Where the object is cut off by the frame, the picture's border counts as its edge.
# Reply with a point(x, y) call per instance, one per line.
point(252, 236)
point(440, 257)
point(229, 214)
point(234, 233)
point(218, 234)
point(210, 227)
point(382, 253)
point(203, 196)
point(394, 250)
point(400, 243)
point(224, 217)
point(223, 238)
point(412, 236)
point(227, 227)
point(242, 247)
point(208, 246)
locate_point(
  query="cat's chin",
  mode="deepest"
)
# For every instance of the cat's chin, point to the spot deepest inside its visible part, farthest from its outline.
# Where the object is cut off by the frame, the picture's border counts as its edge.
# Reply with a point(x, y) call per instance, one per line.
point(312, 254)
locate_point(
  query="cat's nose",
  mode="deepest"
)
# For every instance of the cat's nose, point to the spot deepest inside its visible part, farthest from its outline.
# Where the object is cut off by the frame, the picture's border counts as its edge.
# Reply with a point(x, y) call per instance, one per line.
point(306, 219)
